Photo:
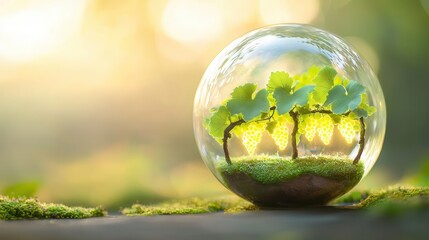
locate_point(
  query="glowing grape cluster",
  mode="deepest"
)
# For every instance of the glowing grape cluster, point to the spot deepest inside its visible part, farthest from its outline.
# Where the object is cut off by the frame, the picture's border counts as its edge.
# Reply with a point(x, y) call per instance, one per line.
point(322, 124)
point(280, 134)
point(325, 128)
point(252, 136)
point(349, 128)
point(310, 127)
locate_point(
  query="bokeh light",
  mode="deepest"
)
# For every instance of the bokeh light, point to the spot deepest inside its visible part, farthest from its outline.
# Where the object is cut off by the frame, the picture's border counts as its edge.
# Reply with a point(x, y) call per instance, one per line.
point(38, 27)
point(191, 21)
point(288, 11)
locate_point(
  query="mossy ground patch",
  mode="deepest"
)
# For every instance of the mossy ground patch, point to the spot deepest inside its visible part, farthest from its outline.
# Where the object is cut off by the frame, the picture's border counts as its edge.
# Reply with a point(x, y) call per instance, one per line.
point(191, 206)
point(275, 169)
point(397, 195)
point(403, 197)
point(386, 201)
point(30, 208)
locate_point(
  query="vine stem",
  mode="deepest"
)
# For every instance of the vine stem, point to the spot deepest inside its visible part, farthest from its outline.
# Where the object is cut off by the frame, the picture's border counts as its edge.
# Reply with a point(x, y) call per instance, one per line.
point(327, 112)
point(361, 140)
point(226, 136)
point(232, 125)
point(321, 111)
point(294, 116)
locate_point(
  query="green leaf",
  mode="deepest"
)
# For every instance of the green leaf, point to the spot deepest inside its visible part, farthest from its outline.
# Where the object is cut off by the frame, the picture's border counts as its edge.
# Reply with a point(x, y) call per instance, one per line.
point(242, 102)
point(364, 109)
point(271, 99)
point(286, 100)
point(339, 80)
point(307, 77)
point(244, 91)
point(218, 122)
point(271, 126)
point(344, 99)
point(279, 79)
point(359, 112)
point(370, 110)
point(324, 82)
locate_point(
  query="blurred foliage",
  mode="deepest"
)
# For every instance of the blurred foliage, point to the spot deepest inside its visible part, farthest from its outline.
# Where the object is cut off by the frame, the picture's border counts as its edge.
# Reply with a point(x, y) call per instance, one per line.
point(22, 189)
point(393, 194)
point(30, 208)
point(421, 177)
point(398, 207)
point(396, 201)
point(122, 175)
point(389, 202)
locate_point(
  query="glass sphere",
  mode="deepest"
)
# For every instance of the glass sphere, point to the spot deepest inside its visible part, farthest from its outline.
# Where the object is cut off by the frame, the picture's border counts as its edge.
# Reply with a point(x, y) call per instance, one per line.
point(289, 115)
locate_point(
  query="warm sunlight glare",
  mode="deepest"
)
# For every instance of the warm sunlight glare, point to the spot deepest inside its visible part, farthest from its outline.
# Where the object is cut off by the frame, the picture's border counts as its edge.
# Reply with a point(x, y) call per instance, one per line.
point(191, 21)
point(288, 11)
point(38, 27)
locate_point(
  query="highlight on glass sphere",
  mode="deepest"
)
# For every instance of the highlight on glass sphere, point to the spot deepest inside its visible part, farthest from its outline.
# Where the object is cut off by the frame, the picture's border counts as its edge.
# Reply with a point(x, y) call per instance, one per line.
point(289, 115)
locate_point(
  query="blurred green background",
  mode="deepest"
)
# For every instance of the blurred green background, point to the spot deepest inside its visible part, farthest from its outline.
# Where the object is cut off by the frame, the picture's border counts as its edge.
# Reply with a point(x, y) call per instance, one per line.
point(96, 96)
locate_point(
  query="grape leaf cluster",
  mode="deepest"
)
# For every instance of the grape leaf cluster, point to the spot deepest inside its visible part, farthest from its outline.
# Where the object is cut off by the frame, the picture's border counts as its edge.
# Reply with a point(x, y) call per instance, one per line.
point(320, 97)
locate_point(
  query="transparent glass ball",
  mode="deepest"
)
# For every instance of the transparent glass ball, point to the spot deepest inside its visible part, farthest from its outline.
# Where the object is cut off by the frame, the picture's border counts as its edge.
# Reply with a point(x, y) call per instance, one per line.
point(322, 166)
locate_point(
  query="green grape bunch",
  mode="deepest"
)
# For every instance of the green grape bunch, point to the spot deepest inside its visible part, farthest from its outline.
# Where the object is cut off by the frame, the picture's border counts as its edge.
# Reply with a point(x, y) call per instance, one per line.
point(309, 127)
point(325, 129)
point(280, 133)
point(349, 128)
point(252, 136)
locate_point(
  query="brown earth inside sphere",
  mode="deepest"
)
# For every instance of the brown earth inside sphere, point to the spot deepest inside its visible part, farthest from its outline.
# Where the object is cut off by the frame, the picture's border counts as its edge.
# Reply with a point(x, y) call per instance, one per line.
point(303, 190)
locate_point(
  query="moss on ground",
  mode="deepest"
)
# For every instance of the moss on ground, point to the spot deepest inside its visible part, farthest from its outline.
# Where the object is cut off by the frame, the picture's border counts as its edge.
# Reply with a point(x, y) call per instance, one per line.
point(394, 201)
point(390, 201)
point(191, 206)
point(30, 208)
point(387, 202)
point(399, 195)
point(276, 169)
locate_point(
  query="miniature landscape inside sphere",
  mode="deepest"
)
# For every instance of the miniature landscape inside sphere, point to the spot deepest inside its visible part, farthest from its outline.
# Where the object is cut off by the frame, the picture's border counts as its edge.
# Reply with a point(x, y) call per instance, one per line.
point(289, 115)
